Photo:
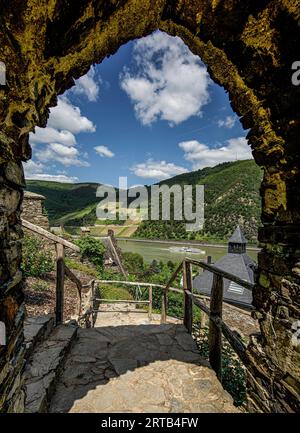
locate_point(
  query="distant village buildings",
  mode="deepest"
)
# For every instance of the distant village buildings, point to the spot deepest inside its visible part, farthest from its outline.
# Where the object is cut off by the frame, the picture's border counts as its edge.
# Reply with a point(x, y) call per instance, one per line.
point(236, 262)
point(85, 230)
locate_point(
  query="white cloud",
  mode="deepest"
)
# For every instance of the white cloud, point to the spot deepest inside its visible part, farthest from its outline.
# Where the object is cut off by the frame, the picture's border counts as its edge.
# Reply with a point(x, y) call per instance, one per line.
point(65, 155)
point(88, 86)
point(157, 169)
point(55, 178)
point(200, 155)
point(31, 167)
point(170, 83)
point(50, 135)
point(104, 151)
point(228, 122)
point(35, 170)
point(66, 116)
point(65, 120)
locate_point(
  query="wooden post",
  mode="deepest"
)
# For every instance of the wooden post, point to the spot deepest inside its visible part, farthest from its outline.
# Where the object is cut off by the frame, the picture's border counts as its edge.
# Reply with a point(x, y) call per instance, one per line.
point(60, 277)
point(215, 333)
point(150, 303)
point(164, 307)
point(204, 317)
point(188, 301)
point(69, 274)
point(92, 303)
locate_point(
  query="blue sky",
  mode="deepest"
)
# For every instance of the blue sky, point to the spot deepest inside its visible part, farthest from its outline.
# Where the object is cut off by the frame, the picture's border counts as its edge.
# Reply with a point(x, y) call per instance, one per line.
point(148, 112)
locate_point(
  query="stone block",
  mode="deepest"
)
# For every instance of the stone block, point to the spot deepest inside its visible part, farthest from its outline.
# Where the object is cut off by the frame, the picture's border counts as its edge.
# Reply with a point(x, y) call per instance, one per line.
point(14, 173)
point(10, 199)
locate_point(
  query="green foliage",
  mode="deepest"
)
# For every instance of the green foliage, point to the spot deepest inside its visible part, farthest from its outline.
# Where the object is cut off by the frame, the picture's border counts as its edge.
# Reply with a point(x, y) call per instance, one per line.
point(159, 273)
point(91, 249)
point(233, 372)
point(72, 230)
point(133, 262)
point(231, 196)
point(82, 267)
point(39, 286)
point(67, 203)
point(156, 272)
point(109, 222)
point(108, 291)
point(36, 261)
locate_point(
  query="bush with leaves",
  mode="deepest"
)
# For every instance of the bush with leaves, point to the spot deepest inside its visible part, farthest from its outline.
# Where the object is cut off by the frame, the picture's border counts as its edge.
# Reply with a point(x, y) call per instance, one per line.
point(156, 273)
point(233, 372)
point(36, 261)
point(108, 291)
point(82, 267)
point(93, 250)
point(134, 262)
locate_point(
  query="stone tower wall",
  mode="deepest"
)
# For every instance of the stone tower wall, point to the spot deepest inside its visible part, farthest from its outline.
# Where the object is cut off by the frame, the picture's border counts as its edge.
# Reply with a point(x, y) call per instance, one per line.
point(33, 210)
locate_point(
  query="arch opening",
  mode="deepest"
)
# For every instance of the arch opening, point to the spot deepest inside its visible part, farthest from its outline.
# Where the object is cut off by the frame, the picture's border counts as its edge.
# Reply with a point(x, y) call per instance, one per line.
point(250, 57)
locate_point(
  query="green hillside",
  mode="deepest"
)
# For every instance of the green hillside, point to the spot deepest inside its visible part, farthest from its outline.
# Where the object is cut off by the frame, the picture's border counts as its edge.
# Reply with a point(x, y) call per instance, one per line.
point(68, 203)
point(231, 198)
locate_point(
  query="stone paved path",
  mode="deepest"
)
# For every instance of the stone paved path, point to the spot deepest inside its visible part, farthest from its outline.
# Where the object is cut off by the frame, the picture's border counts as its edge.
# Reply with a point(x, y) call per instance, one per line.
point(126, 364)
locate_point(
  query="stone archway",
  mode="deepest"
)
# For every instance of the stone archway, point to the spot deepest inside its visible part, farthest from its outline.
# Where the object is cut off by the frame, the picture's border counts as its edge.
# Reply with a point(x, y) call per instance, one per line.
point(249, 49)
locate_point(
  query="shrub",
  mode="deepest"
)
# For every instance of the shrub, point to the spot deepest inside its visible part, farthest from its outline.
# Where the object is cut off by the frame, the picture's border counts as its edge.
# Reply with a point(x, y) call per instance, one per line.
point(93, 250)
point(82, 267)
point(39, 286)
point(233, 372)
point(110, 274)
point(36, 261)
point(108, 291)
point(134, 262)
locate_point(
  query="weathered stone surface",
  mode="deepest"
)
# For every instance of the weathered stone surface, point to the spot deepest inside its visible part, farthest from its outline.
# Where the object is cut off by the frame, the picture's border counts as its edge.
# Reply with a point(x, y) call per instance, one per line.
point(33, 210)
point(44, 365)
point(35, 326)
point(122, 365)
point(147, 368)
point(14, 173)
point(9, 199)
point(17, 404)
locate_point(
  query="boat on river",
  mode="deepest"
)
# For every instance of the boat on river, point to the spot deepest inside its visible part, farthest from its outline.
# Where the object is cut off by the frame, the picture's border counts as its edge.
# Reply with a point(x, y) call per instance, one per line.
point(186, 250)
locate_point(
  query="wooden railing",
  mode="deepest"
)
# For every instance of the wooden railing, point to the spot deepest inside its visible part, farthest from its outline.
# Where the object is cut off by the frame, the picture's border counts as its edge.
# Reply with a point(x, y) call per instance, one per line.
point(217, 327)
point(61, 269)
point(87, 318)
point(148, 286)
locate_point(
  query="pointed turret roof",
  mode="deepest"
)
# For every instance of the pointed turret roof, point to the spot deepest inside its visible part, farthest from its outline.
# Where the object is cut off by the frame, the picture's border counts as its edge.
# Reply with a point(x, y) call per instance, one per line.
point(237, 237)
point(236, 262)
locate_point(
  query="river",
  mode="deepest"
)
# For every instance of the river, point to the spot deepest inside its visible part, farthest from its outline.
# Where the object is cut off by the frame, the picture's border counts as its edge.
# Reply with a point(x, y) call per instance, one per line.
point(164, 251)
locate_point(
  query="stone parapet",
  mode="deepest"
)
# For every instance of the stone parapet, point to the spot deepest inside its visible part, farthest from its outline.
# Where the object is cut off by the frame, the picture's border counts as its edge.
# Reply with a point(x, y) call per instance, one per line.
point(33, 210)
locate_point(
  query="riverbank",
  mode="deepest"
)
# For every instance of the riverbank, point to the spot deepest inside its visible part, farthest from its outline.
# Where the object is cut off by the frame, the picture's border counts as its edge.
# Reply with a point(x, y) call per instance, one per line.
point(181, 242)
point(164, 250)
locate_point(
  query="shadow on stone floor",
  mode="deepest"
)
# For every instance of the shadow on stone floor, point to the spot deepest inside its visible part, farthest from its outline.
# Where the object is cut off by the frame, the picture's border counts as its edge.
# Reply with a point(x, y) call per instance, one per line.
point(137, 368)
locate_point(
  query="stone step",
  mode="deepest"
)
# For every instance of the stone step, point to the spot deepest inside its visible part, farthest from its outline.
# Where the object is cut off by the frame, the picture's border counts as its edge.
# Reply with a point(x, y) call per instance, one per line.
point(44, 367)
point(36, 330)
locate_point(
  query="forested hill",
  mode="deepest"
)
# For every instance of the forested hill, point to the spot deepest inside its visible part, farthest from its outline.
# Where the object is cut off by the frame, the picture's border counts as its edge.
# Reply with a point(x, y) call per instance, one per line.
point(231, 198)
point(68, 203)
